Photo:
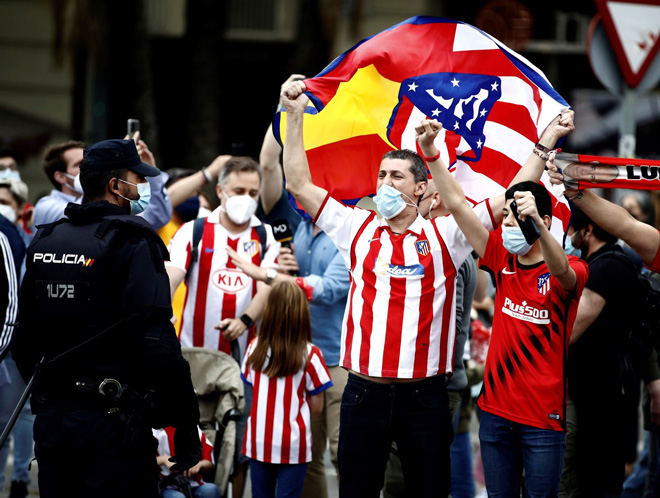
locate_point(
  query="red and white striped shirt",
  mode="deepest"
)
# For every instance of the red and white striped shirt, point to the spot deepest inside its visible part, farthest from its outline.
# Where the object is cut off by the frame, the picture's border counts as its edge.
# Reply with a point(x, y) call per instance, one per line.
point(217, 289)
point(401, 310)
point(165, 438)
point(279, 428)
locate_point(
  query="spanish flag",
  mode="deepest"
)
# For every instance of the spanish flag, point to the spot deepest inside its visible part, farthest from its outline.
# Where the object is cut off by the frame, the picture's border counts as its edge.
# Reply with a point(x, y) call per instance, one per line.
point(493, 105)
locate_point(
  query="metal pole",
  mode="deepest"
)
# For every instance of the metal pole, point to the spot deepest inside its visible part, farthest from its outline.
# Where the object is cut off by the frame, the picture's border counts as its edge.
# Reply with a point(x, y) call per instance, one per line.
point(17, 411)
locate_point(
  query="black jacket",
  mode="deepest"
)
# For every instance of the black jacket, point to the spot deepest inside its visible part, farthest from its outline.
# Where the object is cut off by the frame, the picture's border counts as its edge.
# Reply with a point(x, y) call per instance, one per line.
point(95, 302)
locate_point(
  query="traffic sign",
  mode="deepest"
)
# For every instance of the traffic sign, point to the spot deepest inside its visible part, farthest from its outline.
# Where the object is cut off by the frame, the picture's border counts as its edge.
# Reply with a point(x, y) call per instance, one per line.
point(633, 28)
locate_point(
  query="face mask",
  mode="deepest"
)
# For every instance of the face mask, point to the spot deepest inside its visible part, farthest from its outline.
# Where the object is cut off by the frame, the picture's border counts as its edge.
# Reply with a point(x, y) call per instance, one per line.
point(431, 209)
point(188, 209)
point(239, 208)
point(77, 186)
point(8, 212)
point(144, 191)
point(389, 202)
point(514, 241)
point(9, 173)
point(570, 249)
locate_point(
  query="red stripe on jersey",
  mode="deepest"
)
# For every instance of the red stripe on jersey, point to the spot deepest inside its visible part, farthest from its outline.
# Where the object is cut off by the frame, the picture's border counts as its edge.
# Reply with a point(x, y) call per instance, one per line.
point(205, 257)
point(327, 196)
point(368, 295)
point(170, 439)
point(228, 302)
point(425, 303)
point(270, 418)
point(286, 426)
point(185, 299)
point(350, 326)
point(310, 370)
point(302, 449)
point(394, 327)
point(254, 414)
point(450, 283)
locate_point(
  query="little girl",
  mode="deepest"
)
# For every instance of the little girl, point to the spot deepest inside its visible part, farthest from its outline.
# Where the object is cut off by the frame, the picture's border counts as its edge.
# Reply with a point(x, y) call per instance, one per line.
point(288, 376)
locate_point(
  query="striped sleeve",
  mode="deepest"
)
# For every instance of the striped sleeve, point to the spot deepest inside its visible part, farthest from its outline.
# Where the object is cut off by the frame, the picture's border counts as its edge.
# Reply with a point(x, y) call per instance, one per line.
point(8, 294)
point(341, 224)
point(179, 247)
point(317, 377)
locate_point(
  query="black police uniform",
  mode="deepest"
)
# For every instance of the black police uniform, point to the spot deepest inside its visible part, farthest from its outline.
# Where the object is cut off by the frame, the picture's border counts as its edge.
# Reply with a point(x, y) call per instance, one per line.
point(95, 303)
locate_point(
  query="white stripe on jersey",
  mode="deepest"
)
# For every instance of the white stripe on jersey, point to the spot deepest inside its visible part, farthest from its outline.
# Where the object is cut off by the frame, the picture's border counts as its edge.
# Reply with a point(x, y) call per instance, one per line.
point(220, 280)
point(273, 433)
point(403, 297)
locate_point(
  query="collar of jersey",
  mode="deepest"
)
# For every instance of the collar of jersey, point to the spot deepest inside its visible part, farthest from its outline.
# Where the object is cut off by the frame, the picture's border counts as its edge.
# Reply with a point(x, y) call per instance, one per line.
point(416, 227)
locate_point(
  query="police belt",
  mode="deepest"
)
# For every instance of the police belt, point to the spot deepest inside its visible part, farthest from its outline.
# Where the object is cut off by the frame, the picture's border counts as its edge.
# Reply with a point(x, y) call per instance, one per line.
point(104, 393)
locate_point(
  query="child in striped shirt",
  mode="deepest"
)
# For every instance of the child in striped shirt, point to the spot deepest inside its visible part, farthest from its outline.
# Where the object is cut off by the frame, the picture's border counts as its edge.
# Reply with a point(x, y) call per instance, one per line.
point(288, 376)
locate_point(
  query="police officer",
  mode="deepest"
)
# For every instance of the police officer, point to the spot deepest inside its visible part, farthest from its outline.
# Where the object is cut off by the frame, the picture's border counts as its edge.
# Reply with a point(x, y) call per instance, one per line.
point(95, 304)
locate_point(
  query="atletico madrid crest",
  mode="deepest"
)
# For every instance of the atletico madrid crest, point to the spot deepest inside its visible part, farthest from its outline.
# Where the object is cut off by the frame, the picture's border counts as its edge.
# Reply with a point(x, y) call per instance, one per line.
point(543, 284)
point(251, 248)
point(422, 247)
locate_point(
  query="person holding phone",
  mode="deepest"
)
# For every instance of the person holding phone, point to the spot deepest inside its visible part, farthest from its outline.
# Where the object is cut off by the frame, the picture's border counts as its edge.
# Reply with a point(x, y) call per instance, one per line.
point(62, 166)
point(523, 400)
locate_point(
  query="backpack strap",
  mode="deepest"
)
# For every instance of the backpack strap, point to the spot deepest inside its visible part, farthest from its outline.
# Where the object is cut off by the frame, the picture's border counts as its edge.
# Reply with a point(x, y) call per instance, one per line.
point(261, 232)
point(198, 231)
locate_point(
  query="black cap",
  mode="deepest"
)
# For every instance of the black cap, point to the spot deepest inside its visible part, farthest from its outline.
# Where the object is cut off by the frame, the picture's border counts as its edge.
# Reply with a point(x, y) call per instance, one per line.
point(115, 154)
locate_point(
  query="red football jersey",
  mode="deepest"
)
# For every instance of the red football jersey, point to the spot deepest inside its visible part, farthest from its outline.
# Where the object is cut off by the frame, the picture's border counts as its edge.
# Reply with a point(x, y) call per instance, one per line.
point(525, 377)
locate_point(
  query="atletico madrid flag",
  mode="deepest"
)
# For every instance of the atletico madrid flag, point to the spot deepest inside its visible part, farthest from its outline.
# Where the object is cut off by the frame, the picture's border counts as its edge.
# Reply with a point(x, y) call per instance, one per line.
point(492, 102)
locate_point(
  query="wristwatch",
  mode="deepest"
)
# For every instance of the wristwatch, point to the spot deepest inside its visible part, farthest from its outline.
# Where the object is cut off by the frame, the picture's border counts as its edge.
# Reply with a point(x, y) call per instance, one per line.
point(271, 274)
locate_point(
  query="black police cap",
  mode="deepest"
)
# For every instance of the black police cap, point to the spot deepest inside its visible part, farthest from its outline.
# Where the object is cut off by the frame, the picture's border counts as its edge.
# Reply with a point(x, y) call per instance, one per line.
point(115, 154)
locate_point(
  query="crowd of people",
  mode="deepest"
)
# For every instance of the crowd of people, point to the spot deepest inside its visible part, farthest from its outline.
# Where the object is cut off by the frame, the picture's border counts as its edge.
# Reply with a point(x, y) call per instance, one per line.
point(355, 330)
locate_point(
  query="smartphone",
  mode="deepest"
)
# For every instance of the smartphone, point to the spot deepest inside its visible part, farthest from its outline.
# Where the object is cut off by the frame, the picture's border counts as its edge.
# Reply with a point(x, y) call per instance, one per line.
point(132, 126)
point(528, 227)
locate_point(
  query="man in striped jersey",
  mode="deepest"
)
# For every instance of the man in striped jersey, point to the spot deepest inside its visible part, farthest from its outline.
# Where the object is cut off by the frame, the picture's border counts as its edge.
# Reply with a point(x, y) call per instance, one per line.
point(221, 301)
point(399, 326)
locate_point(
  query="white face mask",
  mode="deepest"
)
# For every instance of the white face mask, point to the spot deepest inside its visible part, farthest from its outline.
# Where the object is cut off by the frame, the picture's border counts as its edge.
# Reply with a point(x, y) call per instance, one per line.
point(77, 186)
point(8, 212)
point(239, 208)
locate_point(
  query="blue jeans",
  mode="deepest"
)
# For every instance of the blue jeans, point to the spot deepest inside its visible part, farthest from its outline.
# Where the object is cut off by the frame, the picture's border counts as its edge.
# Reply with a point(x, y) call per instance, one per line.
point(415, 415)
point(507, 447)
point(277, 480)
point(11, 388)
point(462, 479)
point(633, 486)
point(206, 490)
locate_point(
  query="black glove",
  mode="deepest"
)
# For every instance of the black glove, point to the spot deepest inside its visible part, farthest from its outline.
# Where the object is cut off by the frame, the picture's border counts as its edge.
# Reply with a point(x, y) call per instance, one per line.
point(187, 448)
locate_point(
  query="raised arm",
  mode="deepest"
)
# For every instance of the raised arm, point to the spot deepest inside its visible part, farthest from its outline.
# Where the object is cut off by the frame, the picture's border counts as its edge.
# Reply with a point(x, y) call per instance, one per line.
point(296, 168)
point(269, 159)
point(450, 191)
point(553, 253)
point(185, 188)
point(533, 168)
point(643, 238)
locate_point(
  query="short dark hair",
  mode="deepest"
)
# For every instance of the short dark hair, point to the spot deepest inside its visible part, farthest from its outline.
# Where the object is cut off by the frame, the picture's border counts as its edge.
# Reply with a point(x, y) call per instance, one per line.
point(7, 152)
point(580, 220)
point(54, 159)
point(417, 164)
point(241, 164)
point(94, 182)
point(541, 196)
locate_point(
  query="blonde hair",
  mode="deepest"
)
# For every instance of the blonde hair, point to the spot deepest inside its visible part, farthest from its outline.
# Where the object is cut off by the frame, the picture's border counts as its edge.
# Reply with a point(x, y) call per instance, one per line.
point(285, 329)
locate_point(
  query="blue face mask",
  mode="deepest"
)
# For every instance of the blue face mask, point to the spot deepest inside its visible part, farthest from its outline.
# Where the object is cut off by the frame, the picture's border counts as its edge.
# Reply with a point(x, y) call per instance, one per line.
point(144, 191)
point(514, 241)
point(389, 202)
point(9, 173)
point(570, 249)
